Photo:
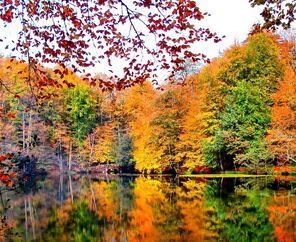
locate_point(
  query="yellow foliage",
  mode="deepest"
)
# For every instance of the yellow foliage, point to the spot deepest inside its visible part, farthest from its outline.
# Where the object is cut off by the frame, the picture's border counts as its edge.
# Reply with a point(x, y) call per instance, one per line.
point(140, 104)
point(200, 122)
point(98, 146)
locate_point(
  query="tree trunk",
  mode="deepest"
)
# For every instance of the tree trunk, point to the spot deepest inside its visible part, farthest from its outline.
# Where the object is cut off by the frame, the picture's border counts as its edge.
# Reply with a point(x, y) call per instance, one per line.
point(31, 212)
point(61, 189)
point(24, 131)
point(29, 133)
point(91, 152)
point(60, 159)
point(70, 188)
point(221, 163)
point(26, 218)
point(70, 155)
point(93, 197)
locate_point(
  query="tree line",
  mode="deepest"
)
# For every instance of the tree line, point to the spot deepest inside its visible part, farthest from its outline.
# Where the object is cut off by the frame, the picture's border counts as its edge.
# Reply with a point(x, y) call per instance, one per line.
point(238, 112)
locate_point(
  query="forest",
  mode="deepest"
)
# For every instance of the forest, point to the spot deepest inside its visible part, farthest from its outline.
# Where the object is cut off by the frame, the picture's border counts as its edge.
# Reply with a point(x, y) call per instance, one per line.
point(236, 113)
point(117, 125)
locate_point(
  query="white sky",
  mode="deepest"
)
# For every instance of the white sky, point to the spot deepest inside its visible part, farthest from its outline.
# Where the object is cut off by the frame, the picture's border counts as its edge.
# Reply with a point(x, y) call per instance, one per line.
point(232, 18)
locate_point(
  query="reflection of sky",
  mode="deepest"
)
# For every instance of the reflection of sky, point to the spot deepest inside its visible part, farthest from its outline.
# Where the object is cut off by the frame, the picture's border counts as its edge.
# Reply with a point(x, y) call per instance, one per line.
point(232, 18)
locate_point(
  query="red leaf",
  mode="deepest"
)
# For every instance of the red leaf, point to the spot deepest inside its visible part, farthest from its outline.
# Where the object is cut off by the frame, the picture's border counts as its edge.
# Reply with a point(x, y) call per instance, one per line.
point(3, 157)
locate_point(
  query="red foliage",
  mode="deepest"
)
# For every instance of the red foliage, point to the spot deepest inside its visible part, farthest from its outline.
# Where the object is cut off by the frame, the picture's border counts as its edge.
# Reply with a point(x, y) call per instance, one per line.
point(202, 169)
point(147, 35)
point(276, 13)
point(4, 177)
point(198, 169)
point(3, 157)
point(207, 170)
point(6, 174)
point(242, 170)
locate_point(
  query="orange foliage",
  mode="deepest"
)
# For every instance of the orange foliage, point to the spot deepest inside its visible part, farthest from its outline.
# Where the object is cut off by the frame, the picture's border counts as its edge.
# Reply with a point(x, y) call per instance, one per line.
point(282, 215)
point(280, 169)
point(285, 178)
point(11, 115)
point(281, 136)
point(101, 197)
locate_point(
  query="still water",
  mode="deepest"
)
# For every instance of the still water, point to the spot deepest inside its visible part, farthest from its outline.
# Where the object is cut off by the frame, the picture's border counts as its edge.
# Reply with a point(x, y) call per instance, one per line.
point(69, 208)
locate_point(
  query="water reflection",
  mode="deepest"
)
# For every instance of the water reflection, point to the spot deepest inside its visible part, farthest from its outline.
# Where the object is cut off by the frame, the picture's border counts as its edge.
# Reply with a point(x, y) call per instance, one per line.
point(69, 208)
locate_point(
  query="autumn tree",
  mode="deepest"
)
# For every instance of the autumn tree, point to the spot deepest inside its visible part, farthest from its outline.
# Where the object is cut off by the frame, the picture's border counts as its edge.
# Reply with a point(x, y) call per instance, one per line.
point(166, 127)
point(79, 115)
point(109, 141)
point(140, 105)
point(100, 145)
point(251, 77)
point(13, 108)
point(281, 135)
point(155, 126)
point(119, 117)
point(204, 102)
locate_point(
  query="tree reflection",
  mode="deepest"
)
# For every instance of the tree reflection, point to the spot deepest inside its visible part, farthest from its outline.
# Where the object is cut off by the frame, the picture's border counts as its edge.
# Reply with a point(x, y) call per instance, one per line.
point(282, 214)
point(150, 209)
point(190, 202)
point(73, 223)
point(146, 213)
point(241, 215)
point(166, 212)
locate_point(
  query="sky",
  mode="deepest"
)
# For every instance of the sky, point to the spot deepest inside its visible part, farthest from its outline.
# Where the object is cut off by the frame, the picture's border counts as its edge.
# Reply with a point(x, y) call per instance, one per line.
point(232, 18)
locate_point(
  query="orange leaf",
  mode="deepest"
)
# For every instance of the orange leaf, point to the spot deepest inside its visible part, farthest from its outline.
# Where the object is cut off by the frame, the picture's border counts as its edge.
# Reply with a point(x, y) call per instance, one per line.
point(11, 115)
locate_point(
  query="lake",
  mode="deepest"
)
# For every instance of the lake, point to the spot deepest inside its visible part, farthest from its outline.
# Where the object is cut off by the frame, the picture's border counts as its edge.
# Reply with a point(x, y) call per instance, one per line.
point(158, 208)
